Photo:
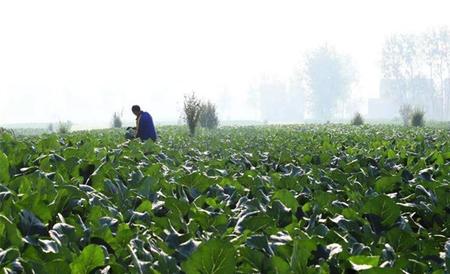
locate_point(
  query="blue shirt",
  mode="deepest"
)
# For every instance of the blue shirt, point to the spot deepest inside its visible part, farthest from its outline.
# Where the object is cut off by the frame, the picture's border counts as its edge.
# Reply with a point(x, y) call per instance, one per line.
point(146, 128)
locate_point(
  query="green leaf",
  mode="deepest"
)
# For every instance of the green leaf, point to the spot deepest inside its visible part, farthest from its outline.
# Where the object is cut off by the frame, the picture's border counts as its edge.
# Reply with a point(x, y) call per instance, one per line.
point(8, 255)
point(363, 262)
point(379, 270)
point(57, 266)
point(387, 184)
point(287, 198)
point(254, 223)
point(384, 207)
point(91, 257)
point(214, 256)
point(9, 234)
point(280, 266)
point(4, 168)
point(301, 253)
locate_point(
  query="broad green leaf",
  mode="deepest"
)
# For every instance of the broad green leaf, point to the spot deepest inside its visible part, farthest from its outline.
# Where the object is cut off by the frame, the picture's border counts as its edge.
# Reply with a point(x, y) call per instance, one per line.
point(379, 270)
point(287, 198)
point(387, 184)
point(214, 256)
point(91, 257)
point(384, 207)
point(4, 168)
point(9, 234)
point(280, 266)
point(363, 262)
point(300, 254)
point(57, 266)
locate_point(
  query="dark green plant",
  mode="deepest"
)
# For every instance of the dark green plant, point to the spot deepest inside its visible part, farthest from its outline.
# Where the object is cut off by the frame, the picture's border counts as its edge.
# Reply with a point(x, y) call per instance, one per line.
point(357, 119)
point(192, 110)
point(406, 112)
point(255, 199)
point(417, 118)
point(4, 130)
point(208, 116)
point(64, 127)
point(116, 120)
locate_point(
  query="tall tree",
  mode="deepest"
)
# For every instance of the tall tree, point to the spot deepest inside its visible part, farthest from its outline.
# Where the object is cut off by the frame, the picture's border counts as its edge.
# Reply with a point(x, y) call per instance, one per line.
point(328, 77)
point(270, 98)
point(436, 52)
point(400, 66)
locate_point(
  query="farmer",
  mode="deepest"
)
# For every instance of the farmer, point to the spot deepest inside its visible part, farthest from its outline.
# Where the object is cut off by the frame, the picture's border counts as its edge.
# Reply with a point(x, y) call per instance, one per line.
point(145, 129)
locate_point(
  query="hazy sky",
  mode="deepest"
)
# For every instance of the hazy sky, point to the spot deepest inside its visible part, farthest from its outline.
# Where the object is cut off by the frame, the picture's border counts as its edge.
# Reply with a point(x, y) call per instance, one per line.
point(83, 60)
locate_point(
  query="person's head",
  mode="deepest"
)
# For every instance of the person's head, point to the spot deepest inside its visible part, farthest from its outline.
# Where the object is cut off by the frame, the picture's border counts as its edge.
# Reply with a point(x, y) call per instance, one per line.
point(136, 110)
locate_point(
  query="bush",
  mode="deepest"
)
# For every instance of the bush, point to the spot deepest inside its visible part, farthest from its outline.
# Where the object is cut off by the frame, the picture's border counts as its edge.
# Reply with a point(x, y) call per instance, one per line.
point(406, 112)
point(417, 118)
point(116, 120)
point(4, 130)
point(192, 110)
point(64, 127)
point(357, 119)
point(208, 116)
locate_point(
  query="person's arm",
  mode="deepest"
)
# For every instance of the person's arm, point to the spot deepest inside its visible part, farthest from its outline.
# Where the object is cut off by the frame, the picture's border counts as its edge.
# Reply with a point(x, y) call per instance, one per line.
point(138, 120)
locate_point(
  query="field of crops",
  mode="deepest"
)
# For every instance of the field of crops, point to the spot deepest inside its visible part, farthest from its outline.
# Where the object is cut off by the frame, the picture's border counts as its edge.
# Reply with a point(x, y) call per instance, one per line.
point(290, 199)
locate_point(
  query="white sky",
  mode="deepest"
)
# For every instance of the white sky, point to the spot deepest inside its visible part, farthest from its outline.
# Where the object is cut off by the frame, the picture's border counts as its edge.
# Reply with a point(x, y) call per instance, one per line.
point(83, 60)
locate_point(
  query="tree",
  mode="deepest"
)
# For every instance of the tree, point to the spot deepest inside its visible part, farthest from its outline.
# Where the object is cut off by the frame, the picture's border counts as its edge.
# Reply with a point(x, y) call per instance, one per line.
point(276, 101)
point(357, 119)
point(116, 120)
point(192, 110)
point(208, 116)
point(269, 97)
point(417, 118)
point(329, 77)
point(416, 68)
point(436, 52)
point(400, 66)
point(405, 112)
point(64, 127)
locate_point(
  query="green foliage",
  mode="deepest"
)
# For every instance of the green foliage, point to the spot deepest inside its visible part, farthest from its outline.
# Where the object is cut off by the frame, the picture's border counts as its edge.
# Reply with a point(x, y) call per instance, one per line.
point(64, 127)
point(268, 199)
point(50, 128)
point(214, 256)
point(357, 119)
point(328, 76)
point(208, 116)
point(417, 118)
point(406, 111)
point(192, 111)
point(4, 168)
point(90, 258)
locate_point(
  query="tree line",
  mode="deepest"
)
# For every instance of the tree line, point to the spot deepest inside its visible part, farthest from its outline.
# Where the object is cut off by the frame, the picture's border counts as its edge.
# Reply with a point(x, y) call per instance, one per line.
point(416, 70)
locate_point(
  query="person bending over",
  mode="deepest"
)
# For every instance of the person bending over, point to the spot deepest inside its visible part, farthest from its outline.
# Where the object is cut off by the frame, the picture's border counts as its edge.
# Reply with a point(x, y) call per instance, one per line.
point(145, 129)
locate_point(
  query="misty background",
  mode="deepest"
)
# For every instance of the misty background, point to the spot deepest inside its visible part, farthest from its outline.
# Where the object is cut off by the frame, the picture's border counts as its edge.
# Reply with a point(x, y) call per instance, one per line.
point(274, 61)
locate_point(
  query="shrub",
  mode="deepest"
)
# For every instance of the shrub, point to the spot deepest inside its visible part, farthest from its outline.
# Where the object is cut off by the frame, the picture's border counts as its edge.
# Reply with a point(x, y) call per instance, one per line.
point(4, 130)
point(208, 116)
point(357, 119)
point(192, 110)
point(406, 112)
point(64, 127)
point(116, 120)
point(417, 118)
